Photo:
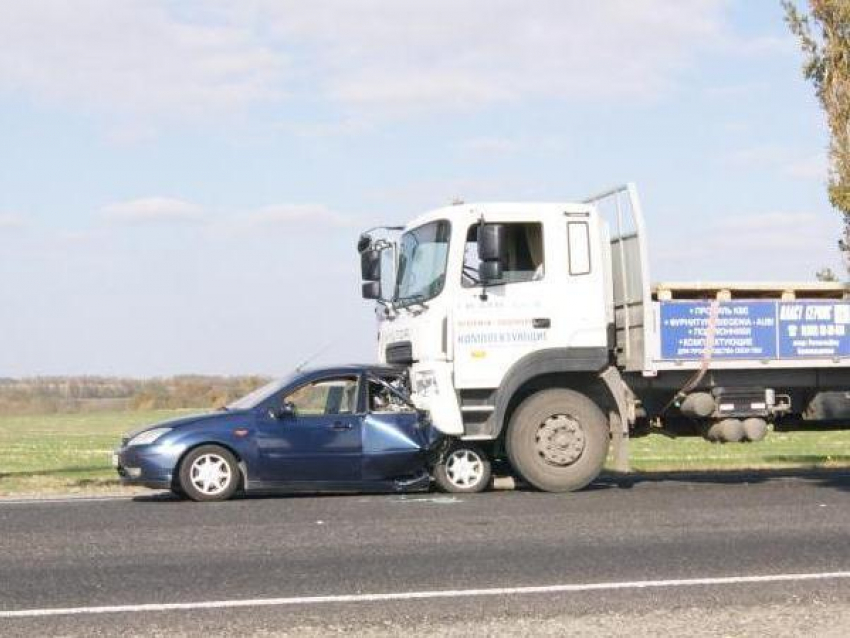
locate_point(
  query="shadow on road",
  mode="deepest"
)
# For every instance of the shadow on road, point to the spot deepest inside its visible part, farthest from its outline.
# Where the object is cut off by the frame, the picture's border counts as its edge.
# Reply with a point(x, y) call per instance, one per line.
point(169, 497)
point(836, 478)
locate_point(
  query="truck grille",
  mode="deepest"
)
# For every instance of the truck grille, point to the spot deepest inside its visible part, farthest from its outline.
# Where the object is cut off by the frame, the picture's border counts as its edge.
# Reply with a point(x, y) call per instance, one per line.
point(400, 352)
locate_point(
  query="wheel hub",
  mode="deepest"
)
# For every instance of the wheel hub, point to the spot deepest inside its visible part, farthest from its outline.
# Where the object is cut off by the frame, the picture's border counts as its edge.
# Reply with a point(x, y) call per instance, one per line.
point(210, 474)
point(464, 468)
point(560, 440)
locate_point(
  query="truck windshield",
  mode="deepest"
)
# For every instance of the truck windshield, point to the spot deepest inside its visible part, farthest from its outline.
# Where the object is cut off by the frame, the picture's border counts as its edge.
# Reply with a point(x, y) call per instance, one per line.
point(422, 262)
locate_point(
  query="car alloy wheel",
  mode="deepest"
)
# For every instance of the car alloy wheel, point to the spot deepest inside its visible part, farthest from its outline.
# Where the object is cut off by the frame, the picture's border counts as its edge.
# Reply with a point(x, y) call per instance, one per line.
point(210, 474)
point(464, 468)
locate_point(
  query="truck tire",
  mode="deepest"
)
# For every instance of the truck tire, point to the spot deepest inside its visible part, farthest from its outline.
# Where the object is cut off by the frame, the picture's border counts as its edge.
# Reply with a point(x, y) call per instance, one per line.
point(731, 431)
point(558, 440)
point(755, 429)
point(209, 473)
point(463, 469)
point(712, 432)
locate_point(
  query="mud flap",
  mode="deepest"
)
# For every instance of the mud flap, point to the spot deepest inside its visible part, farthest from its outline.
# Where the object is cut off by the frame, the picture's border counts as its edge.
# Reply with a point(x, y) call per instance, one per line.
point(618, 419)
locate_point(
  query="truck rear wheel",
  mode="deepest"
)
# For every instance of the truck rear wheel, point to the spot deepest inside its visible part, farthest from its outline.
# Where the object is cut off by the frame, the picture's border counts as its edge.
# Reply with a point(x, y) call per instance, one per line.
point(558, 440)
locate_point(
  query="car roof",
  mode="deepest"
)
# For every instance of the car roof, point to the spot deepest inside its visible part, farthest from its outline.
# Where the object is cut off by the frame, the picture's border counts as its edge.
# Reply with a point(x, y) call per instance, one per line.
point(352, 368)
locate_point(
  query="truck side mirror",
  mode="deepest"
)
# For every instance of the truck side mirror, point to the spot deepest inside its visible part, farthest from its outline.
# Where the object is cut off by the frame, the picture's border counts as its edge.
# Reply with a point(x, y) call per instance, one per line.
point(370, 265)
point(490, 271)
point(492, 252)
point(371, 290)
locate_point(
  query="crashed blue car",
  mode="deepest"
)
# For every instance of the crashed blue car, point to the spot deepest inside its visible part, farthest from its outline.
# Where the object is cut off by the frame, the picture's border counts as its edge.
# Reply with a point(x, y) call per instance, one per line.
point(337, 429)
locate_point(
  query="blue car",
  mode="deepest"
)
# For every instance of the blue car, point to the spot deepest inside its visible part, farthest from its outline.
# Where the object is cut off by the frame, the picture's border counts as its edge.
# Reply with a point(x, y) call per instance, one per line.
point(337, 429)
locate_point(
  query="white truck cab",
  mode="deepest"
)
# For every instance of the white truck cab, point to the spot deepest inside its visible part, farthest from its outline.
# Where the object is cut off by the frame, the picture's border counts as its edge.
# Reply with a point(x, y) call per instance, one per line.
point(460, 334)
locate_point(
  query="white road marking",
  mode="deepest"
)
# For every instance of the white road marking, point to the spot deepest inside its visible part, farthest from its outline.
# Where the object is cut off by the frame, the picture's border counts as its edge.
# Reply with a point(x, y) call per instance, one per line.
point(424, 595)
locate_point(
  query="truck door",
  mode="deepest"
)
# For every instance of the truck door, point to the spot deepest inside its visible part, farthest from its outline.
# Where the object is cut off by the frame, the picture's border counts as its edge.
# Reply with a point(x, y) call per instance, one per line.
point(552, 296)
point(496, 326)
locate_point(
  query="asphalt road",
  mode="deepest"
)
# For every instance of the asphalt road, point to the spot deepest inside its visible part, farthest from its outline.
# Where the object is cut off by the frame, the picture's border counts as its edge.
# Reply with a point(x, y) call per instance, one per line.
point(659, 556)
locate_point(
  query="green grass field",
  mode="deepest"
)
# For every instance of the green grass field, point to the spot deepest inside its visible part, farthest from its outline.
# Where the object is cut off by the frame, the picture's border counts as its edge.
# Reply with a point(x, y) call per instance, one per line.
point(71, 452)
point(65, 452)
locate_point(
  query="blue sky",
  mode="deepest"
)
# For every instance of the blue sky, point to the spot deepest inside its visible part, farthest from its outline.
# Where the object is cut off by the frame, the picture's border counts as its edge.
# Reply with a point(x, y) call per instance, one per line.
point(182, 183)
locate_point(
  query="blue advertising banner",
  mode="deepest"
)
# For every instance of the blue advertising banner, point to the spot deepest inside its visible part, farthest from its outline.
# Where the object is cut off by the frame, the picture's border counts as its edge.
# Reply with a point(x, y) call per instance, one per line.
point(756, 329)
point(814, 329)
point(743, 330)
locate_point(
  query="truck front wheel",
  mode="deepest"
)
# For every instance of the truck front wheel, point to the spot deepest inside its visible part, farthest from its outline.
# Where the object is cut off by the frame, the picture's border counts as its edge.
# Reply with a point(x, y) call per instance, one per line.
point(558, 440)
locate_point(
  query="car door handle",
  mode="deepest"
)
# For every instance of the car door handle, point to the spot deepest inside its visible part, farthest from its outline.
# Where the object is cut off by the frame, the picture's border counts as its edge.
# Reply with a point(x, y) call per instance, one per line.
point(340, 425)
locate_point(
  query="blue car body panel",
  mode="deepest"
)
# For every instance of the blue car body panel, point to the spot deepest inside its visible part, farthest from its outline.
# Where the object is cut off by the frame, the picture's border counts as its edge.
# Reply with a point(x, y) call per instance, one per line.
point(309, 448)
point(363, 451)
point(392, 444)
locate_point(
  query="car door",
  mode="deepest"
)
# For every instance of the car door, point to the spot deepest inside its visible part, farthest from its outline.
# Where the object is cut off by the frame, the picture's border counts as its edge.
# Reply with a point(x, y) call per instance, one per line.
point(395, 438)
point(316, 438)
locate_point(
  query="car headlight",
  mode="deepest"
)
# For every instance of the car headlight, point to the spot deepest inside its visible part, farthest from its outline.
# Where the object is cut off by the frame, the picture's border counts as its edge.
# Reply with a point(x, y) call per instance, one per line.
point(425, 383)
point(148, 436)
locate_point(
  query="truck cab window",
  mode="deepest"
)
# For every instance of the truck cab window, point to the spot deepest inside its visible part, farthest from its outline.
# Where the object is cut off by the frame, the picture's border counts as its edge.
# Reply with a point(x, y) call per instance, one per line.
point(525, 254)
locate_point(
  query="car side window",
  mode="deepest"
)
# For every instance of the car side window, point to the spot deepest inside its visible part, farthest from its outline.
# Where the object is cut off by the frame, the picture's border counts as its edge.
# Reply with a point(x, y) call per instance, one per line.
point(524, 254)
point(326, 396)
point(381, 399)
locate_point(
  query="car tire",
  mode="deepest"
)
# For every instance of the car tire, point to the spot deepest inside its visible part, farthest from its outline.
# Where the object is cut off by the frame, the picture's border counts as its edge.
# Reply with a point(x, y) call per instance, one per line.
point(209, 473)
point(558, 440)
point(463, 469)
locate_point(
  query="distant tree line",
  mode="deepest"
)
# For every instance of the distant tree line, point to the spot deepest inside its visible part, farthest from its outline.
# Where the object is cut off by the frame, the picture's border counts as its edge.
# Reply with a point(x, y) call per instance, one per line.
point(39, 395)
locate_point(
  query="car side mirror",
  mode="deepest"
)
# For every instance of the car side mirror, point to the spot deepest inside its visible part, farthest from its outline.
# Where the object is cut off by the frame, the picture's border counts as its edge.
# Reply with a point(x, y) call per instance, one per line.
point(284, 411)
point(492, 252)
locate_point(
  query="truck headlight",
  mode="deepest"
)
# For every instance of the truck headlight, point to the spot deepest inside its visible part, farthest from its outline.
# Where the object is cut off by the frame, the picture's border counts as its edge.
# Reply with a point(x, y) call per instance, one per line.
point(148, 436)
point(425, 383)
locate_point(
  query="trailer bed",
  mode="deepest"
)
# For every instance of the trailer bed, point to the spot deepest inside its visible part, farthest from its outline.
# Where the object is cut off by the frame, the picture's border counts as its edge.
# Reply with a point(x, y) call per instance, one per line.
point(749, 325)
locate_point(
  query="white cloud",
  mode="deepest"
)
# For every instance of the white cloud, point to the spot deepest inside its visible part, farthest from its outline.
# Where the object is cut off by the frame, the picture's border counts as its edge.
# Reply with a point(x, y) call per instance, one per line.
point(771, 245)
point(295, 215)
point(134, 56)
point(153, 210)
point(159, 57)
point(758, 156)
point(316, 130)
point(493, 146)
point(814, 167)
point(10, 221)
point(506, 146)
point(442, 53)
point(782, 160)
